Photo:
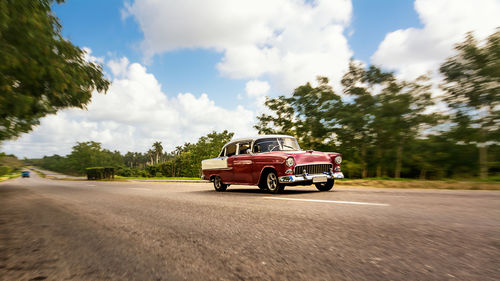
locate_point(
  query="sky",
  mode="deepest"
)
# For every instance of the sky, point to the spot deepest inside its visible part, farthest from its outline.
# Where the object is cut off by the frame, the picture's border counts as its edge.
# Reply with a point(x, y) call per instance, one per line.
point(182, 69)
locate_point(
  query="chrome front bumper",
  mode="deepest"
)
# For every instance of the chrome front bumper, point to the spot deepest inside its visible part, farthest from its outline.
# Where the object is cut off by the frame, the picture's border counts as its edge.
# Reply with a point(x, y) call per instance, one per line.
point(306, 177)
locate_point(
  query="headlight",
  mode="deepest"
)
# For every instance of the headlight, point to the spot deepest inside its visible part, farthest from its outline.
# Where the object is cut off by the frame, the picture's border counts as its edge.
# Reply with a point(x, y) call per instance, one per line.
point(338, 159)
point(290, 161)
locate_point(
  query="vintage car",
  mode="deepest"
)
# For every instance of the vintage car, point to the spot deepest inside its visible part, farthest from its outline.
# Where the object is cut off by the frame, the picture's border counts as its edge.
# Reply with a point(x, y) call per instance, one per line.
point(271, 162)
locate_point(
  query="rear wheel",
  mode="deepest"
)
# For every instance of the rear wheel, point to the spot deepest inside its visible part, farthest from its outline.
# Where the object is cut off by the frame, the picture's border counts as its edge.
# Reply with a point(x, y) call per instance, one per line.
point(272, 183)
point(325, 186)
point(218, 185)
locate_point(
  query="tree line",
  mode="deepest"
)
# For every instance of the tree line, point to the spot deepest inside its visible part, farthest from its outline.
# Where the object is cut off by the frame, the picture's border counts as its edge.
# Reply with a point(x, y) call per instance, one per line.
point(388, 127)
point(184, 161)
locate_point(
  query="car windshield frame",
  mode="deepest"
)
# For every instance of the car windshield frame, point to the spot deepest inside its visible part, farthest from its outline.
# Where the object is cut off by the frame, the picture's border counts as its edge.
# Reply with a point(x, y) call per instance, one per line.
point(280, 142)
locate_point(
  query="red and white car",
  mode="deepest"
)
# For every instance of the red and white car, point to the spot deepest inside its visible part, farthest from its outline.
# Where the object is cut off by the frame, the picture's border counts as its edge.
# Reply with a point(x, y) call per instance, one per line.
point(271, 162)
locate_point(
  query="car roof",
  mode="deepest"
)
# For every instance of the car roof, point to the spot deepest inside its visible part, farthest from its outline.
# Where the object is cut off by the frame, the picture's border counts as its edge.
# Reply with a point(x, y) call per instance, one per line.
point(258, 137)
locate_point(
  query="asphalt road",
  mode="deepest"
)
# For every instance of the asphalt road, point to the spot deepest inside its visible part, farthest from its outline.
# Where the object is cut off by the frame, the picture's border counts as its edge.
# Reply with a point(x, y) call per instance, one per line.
point(81, 230)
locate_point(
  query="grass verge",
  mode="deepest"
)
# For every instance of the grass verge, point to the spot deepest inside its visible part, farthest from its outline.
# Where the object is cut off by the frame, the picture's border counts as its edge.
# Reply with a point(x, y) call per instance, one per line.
point(157, 178)
point(10, 176)
point(422, 184)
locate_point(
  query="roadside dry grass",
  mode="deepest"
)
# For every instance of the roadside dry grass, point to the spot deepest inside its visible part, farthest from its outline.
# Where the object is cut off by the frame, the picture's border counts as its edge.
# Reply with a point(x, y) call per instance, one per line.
point(85, 179)
point(157, 178)
point(10, 176)
point(422, 184)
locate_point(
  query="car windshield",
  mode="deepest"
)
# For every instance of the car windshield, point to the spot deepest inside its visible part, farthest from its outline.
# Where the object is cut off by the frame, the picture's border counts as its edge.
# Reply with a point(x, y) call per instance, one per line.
point(275, 144)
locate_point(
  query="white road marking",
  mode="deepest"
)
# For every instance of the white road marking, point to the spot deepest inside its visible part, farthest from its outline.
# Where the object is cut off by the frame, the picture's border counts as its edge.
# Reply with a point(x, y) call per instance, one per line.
point(329, 201)
point(139, 188)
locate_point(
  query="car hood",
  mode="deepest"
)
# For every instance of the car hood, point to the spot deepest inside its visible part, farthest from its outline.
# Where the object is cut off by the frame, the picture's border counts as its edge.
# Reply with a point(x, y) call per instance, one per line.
point(307, 157)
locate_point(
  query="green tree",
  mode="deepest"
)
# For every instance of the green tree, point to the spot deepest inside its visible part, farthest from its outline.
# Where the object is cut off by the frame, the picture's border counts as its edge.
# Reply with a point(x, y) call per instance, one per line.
point(40, 71)
point(185, 160)
point(151, 157)
point(400, 116)
point(310, 114)
point(385, 121)
point(377, 119)
point(91, 154)
point(282, 121)
point(158, 151)
point(129, 159)
point(357, 116)
point(472, 84)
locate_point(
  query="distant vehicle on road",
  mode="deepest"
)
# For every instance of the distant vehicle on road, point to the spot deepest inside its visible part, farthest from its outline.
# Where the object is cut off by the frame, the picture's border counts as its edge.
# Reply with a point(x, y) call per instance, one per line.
point(25, 174)
point(271, 162)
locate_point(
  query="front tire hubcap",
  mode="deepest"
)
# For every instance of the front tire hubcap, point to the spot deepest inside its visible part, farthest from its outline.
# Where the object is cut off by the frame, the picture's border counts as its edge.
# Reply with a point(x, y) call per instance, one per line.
point(272, 181)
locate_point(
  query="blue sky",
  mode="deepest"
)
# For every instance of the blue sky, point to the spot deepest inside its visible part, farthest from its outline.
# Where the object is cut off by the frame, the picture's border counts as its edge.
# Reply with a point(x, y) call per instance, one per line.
point(372, 20)
point(182, 69)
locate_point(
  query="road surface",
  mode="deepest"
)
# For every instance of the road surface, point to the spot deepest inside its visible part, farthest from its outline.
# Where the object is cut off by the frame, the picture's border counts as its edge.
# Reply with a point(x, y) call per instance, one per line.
point(87, 230)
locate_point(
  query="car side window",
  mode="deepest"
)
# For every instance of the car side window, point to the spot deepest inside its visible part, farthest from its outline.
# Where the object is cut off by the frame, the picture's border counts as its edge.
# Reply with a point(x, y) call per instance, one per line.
point(256, 148)
point(222, 153)
point(231, 149)
point(243, 147)
point(266, 145)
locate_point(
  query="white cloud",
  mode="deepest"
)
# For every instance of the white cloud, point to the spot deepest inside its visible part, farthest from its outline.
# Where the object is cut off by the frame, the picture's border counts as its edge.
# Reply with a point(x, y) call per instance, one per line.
point(119, 67)
point(130, 117)
point(256, 91)
point(288, 41)
point(256, 88)
point(414, 51)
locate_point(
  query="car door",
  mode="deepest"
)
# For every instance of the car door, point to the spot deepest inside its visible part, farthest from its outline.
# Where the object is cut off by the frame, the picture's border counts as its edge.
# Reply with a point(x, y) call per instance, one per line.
point(227, 174)
point(243, 164)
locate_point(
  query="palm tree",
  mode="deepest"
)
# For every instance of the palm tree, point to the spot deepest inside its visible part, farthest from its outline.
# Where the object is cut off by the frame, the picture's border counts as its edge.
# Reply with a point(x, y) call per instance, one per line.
point(151, 154)
point(158, 151)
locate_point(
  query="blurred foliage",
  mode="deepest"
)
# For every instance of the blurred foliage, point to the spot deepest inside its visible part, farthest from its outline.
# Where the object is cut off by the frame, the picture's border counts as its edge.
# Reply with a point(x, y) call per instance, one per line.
point(472, 84)
point(371, 129)
point(9, 164)
point(40, 71)
point(385, 127)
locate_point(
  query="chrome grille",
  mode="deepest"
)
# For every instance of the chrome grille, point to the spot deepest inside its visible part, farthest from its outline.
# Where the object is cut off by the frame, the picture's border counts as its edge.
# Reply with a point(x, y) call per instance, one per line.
point(313, 169)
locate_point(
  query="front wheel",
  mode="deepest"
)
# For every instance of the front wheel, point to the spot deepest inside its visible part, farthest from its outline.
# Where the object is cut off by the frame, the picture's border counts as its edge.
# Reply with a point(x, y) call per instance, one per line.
point(325, 186)
point(218, 185)
point(263, 186)
point(272, 183)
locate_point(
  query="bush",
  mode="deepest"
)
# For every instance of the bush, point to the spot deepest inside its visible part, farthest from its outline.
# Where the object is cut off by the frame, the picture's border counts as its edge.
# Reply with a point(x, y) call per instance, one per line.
point(99, 173)
point(4, 170)
point(124, 172)
point(152, 171)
